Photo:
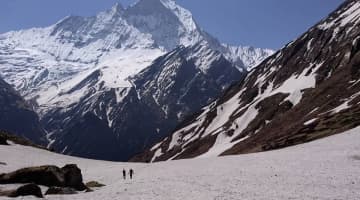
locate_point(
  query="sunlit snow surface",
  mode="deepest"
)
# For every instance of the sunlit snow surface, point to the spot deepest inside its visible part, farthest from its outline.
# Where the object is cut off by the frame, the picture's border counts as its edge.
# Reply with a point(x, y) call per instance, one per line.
point(325, 169)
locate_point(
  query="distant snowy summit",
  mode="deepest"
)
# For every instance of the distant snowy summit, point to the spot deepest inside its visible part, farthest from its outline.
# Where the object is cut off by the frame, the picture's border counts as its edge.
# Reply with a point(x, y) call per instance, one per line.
point(85, 69)
point(249, 56)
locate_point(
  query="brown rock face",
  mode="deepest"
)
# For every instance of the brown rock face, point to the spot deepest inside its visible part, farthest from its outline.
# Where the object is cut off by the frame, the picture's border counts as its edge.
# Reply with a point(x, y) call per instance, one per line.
point(308, 90)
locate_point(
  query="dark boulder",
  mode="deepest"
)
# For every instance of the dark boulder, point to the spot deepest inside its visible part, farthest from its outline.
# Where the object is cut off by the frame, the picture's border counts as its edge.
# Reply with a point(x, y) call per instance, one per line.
point(3, 140)
point(43, 175)
point(60, 190)
point(68, 176)
point(25, 190)
point(73, 177)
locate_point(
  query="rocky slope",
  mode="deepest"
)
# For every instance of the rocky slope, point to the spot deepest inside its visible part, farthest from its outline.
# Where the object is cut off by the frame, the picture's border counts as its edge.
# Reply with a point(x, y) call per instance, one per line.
point(174, 86)
point(17, 115)
point(307, 90)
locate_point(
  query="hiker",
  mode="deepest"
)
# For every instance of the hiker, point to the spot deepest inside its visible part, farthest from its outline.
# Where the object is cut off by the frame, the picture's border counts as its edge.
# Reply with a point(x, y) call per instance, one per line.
point(131, 173)
point(124, 174)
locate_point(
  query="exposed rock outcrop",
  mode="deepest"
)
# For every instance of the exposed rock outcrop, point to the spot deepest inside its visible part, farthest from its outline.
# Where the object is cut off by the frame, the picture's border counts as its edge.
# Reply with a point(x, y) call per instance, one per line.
point(25, 190)
point(3, 140)
point(60, 190)
point(68, 176)
point(94, 184)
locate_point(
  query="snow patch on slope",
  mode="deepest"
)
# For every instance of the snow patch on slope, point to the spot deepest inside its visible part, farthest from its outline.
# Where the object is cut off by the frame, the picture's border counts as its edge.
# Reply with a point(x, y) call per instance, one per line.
point(296, 83)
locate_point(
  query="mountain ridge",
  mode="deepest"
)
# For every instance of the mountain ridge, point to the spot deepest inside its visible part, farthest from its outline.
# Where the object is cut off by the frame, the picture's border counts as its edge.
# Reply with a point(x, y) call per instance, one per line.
point(307, 90)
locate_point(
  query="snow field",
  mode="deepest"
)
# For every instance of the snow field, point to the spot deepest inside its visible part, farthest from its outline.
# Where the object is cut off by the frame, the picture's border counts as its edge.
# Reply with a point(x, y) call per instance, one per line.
point(325, 169)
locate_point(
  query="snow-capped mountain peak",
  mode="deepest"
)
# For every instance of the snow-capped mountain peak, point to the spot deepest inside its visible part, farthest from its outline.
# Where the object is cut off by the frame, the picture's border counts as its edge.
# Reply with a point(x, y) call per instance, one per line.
point(184, 15)
point(169, 24)
point(78, 71)
point(247, 55)
point(117, 8)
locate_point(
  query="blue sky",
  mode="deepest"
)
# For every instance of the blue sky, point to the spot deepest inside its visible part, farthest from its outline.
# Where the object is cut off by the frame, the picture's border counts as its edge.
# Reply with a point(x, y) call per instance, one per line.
point(260, 23)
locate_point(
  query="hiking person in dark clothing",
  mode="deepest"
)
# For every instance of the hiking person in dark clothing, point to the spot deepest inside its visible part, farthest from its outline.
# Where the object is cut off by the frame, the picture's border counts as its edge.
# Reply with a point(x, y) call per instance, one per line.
point(124, 174)
point(131, 173)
